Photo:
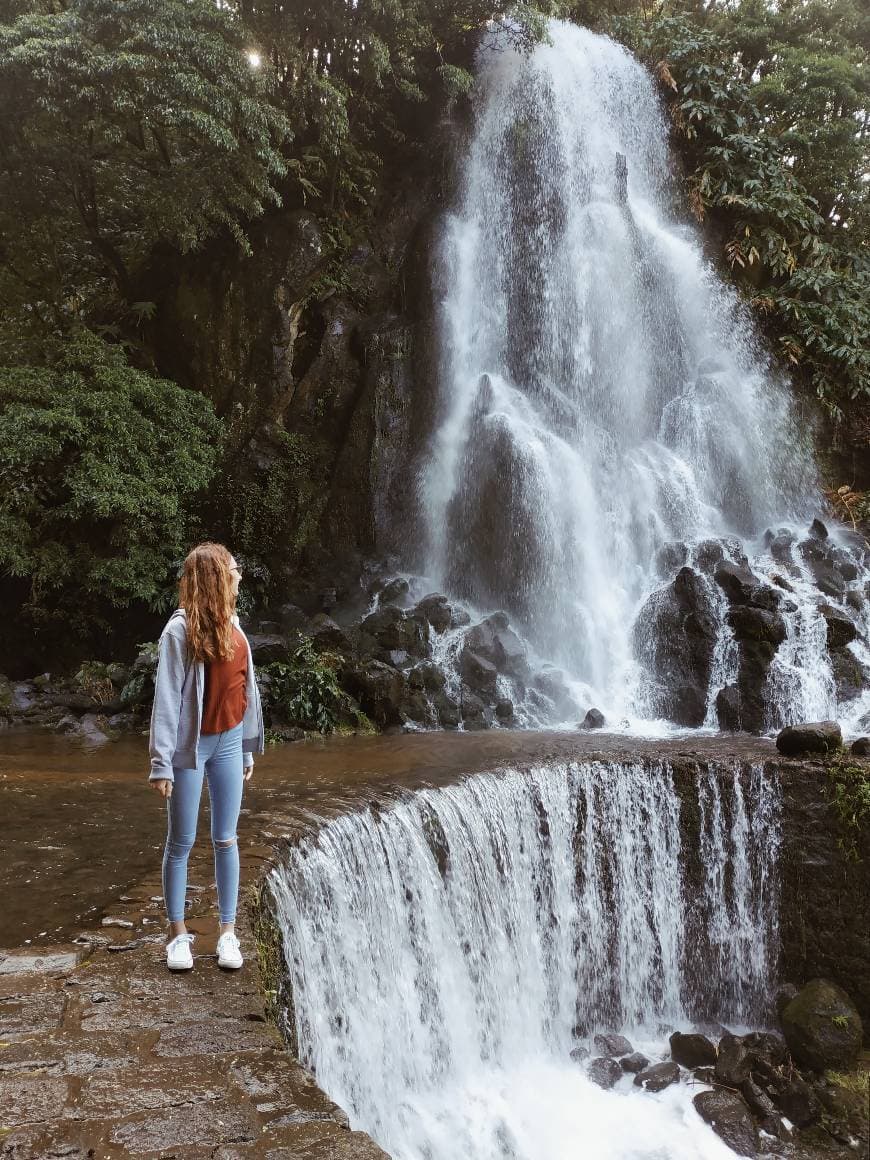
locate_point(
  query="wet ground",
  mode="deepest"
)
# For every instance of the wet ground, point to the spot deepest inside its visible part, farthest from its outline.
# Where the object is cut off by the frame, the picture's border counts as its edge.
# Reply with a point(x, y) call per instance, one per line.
point(77, 826)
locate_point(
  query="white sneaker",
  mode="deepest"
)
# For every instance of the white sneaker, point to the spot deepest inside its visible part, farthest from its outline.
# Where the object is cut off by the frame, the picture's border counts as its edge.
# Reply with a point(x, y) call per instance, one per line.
point(178, 956)
point(228, 952)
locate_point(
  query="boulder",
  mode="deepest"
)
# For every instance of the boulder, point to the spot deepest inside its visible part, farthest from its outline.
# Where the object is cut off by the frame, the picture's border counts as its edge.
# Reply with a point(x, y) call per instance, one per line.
point(475, 714)
point(495, 641)
point(841, 628)
point(479, 674)
point(504, 710)
point(738, 582)
point(860, 747)
point(822, 1027)
point(729, 1117)
point(758, 1100)
point(580, 1053)
point(327, 636)
point(813, 737)
point(734, 1061)
point(634, 1063)
point(674, 637)
point(849, 674)
point(393, 592)
point(594, 719)
point(392, 629)
point(798, 1102)
point(728, 703)
point(447, 711)
point(767, 1045)
point(657, 1077)
point(818, 531)
point(692, 1050)
point(604, 1072)
point(94, 729)
point(380, 690)
point(780, 545)
point(613, 1045)
point(427, 676)
point(551, 682)
point(268, 647)
point(436, 611)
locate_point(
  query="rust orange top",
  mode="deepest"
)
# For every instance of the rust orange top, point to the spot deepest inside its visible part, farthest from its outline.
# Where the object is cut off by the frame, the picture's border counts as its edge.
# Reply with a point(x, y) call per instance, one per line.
point(225, 696)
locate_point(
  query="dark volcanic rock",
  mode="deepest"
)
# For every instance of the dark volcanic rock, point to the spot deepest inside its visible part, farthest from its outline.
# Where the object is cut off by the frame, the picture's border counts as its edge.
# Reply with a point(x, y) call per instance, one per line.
point(734, 1061)
point(327, 636)
point(634, 1063)
point(657, 1077)
point(841, 628)
point(729, 1117)
point(692, 1050)
point(613, 1045)
point(436, 610)
point(798, 1102)
point(861, 747)
point(594, 719)
point(392, 629)
point(814, 737)
point(479, 674)
point(495, 641)
point(379, 689)
point(821, 1027)
point(605, 1072)
point(268, 648)
point(675, 634)
point(767, 1045)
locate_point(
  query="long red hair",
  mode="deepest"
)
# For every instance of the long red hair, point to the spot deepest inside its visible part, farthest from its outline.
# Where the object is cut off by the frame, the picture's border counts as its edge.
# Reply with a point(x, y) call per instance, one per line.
point(205, 592)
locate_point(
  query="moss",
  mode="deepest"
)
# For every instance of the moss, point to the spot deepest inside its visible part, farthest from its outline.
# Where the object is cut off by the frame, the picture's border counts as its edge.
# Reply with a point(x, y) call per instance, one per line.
point(855, 1081)
point(277, 996)
point(848, 790)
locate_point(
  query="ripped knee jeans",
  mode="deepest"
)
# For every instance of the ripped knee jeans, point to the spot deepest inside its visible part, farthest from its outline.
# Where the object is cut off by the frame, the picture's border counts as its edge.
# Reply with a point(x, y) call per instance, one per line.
point(218, 760)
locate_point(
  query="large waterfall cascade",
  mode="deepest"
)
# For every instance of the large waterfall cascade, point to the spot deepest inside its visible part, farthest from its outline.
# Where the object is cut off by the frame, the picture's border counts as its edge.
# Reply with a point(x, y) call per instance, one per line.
point(448, 952)
point(605, 407)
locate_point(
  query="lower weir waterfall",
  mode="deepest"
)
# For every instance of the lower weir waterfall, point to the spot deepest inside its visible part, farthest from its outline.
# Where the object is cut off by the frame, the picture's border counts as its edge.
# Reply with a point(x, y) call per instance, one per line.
point(448, 952)
point(606, 419)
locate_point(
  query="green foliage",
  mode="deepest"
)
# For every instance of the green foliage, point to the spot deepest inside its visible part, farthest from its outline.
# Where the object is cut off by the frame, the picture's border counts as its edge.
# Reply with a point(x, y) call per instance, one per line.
point(96, 485)
point(273, 494)
point(305, 692)
point(772, 105)
point(127, 124)
point(849, 792)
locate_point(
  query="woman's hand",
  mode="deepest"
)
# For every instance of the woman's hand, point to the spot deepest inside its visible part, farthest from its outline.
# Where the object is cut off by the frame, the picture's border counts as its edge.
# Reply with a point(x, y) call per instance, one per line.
point(249, 769)
point(163, 786)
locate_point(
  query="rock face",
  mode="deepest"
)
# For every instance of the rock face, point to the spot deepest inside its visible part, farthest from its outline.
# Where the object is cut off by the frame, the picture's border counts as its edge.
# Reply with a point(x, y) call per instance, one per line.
point(822, 1027)
point(815, 737)
point(729, 1117)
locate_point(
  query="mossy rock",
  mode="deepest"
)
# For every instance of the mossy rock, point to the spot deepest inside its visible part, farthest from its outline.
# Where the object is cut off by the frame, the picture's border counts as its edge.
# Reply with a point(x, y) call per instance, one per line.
point(822, 1027)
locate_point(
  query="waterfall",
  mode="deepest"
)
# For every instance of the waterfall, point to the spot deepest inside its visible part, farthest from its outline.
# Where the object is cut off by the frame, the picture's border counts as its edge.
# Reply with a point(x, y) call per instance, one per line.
point(602, 392)
point(448, 952)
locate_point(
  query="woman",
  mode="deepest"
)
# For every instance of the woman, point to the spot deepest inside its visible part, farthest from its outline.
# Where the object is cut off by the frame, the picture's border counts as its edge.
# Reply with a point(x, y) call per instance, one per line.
point(207, 721)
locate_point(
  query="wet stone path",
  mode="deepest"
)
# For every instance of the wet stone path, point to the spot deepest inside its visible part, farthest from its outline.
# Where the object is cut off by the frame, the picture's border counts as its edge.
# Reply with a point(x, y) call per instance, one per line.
point(103, 1053)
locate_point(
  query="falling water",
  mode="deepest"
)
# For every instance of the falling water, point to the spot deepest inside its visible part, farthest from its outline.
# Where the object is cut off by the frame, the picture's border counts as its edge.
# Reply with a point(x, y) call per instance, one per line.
point(602, 392)
point(447, 953)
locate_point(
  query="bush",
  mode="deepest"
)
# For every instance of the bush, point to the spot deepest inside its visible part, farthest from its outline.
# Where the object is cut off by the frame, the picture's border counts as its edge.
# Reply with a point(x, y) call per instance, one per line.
point(99, 467)
point(306, 692)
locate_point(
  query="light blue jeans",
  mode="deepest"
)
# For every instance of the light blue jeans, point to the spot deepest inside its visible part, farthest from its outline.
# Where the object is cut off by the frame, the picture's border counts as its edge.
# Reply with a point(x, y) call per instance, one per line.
point(219, 760)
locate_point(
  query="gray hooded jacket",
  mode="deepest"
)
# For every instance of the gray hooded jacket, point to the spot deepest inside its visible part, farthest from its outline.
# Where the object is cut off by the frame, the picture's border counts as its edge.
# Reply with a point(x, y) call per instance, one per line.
point(179, 692)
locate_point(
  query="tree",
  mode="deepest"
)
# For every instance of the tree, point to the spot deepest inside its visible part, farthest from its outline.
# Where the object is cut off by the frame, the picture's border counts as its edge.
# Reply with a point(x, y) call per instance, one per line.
point(100, 465)
point(126, 123)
